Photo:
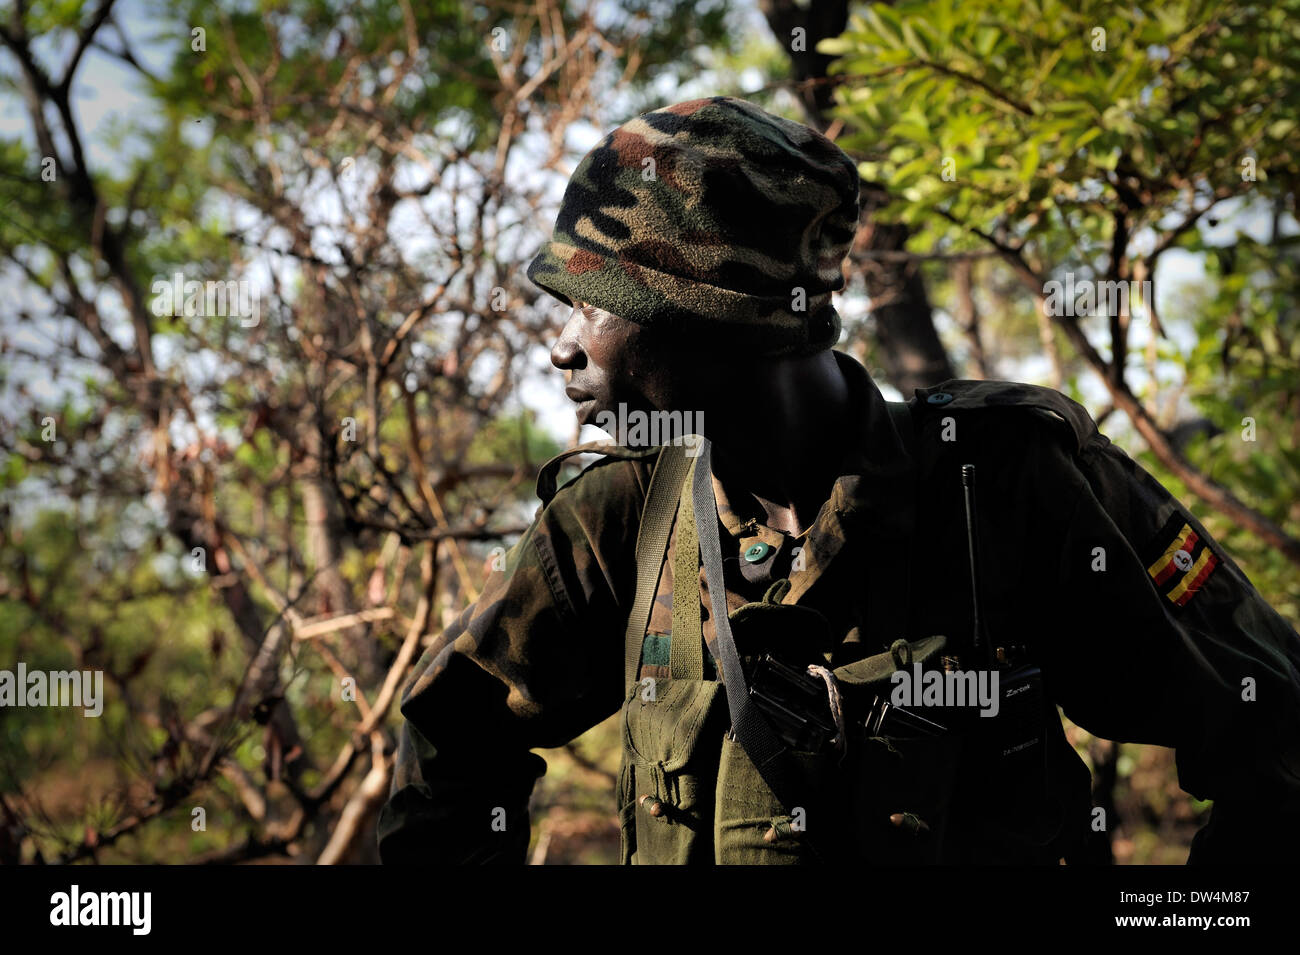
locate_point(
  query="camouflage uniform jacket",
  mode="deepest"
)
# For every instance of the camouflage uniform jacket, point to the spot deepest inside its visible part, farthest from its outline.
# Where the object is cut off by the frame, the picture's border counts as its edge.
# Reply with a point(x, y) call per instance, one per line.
point(1145, 630)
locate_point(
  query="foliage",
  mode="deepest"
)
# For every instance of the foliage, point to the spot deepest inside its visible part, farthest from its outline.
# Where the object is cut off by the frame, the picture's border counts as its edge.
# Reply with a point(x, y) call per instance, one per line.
point(1092, 139)
point(238, 513)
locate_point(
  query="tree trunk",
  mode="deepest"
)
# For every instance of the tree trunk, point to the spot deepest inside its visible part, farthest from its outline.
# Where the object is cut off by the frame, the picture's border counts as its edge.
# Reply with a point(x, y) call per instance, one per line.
point(912, 354)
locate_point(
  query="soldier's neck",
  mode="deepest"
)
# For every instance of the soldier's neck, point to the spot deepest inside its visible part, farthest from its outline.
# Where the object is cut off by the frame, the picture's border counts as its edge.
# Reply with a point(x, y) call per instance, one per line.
point(779, 435)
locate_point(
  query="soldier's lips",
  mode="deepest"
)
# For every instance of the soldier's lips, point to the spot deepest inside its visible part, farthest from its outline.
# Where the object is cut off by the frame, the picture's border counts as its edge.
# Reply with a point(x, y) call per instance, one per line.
point(584, 401)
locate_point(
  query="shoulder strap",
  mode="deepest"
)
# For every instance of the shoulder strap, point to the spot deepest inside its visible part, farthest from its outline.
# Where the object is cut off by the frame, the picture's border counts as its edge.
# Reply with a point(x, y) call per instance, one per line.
point(686, 652)
point(748, 726)
point(651, 544)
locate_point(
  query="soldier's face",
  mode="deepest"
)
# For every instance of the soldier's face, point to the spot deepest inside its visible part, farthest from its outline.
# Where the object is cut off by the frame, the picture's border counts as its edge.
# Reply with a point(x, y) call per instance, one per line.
point(609, 361)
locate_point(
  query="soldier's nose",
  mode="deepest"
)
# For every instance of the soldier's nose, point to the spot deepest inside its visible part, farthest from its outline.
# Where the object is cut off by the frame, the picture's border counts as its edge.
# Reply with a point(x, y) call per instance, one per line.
point(567, 353)
point(564, 354)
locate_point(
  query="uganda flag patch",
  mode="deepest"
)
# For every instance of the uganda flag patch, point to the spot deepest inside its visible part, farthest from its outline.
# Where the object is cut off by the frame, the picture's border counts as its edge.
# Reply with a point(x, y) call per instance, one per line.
point(1180, 560)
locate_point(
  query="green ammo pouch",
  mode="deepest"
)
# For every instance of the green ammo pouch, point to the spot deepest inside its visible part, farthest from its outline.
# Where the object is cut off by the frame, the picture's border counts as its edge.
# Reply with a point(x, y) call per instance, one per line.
point(671, 745)
point(901, 786)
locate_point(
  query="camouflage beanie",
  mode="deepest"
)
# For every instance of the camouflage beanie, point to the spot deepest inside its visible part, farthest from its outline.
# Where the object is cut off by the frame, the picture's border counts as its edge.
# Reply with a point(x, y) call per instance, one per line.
point(713, 218)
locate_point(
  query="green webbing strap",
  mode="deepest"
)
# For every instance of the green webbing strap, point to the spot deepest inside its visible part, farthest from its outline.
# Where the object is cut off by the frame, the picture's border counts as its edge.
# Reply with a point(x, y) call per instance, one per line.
point(770, 756)
point(686, 653)
point(651, 542)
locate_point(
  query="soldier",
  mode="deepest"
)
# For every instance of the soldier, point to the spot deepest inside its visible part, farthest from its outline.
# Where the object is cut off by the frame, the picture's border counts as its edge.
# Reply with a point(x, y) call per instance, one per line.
point(838, 628)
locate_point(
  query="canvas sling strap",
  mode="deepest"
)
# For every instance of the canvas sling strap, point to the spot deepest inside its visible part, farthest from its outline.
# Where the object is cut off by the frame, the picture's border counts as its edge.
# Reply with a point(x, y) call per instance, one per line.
point(749, 728)
point(651, 544)
point(662, 500)
point(686, 648)
point(696, 509)
point(670, 493)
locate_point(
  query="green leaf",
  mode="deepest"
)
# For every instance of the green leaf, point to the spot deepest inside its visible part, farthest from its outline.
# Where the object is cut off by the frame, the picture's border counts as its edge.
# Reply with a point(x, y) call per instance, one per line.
point(914, 42)
point(834, 46)
point(883, 33)
point(1087, 137)
point(1280, 128)
point(985, 39)
point(1029, 161)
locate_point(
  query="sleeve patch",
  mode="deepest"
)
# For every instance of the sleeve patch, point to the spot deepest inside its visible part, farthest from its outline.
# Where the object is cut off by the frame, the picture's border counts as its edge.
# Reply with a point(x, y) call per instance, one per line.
point(1179, 560)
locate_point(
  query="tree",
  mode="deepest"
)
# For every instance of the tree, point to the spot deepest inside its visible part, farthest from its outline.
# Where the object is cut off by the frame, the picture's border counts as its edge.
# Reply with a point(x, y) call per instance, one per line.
point(286, 330)
point(1082, 143)
point(901, 317)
